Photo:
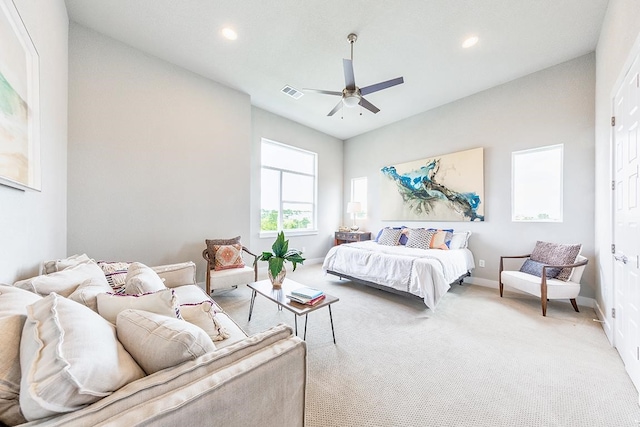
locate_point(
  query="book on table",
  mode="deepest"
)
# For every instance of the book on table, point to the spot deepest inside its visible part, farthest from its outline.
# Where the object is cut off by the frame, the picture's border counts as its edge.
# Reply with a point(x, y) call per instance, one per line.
point(306, 301)
point(308, 293)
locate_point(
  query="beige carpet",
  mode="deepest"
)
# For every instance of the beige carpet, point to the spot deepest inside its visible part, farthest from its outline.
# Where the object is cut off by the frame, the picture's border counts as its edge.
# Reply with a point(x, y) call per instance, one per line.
point(478, 360)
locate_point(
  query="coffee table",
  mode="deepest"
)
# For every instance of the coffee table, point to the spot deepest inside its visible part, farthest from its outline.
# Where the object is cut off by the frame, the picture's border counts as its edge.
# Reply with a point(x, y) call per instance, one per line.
point(279, 296)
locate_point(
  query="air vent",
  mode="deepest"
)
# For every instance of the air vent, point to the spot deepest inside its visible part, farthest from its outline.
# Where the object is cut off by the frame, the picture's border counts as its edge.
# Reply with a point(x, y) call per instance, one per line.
point(294, 93)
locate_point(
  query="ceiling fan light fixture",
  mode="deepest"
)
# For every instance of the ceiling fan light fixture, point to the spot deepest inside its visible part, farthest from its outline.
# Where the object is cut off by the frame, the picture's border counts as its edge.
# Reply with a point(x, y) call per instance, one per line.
point(469, 42)
point(351, 100)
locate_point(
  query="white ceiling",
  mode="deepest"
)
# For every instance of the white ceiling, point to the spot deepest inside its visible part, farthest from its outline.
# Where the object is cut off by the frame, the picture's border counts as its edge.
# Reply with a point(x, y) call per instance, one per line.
point(302, 42)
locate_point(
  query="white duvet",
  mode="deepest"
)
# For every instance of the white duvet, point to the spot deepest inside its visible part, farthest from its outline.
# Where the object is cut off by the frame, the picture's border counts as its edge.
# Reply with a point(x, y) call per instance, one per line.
point(425, 273)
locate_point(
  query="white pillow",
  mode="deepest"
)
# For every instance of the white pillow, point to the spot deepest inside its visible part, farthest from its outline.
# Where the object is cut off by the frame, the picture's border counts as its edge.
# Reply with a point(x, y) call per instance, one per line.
point(69, 358)
point(157, 342)
point(162, 302)
point(49, 267)
point(13, 313)
point(141, 280)
point(203, 315)
point(88, 291)
point(459, 240)
point(63, 282)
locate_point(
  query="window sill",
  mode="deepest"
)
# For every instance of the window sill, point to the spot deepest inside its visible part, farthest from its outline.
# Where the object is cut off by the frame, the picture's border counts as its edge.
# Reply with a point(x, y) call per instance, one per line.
point(288, 233)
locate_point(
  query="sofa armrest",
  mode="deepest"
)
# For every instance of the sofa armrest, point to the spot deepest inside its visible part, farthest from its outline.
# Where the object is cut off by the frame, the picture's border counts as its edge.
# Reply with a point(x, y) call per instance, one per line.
point(175, 275)
point(225, 387)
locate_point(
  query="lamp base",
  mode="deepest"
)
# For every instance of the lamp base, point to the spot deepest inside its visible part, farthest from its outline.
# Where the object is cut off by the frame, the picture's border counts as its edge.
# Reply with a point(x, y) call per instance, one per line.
point(355, 228)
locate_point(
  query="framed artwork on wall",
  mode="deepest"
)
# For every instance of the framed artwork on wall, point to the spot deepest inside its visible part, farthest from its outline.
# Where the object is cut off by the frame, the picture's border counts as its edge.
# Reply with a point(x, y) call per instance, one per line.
point(443, 188)
point(19, 103)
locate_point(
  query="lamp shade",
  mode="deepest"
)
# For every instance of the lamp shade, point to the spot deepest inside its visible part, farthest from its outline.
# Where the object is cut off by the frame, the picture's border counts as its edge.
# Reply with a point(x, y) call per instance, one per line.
point(354, 207)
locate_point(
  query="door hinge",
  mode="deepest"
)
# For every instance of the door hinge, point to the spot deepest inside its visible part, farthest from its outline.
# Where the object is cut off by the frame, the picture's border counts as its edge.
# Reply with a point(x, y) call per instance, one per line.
point(613, 185)
point(613, 120)
point(613, 248)
point(613, 313)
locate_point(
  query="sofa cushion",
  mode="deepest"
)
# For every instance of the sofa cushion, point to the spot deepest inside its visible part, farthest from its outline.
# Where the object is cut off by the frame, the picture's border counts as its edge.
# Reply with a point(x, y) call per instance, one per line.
point(162, 302)
point(174, 275)
point(141, 279)
point(62, 282)
point(13, 313)
point(69, 358)
point(88, 291)
point(556, 254)
point(228, 256)
point(116, 274)
point(52, 266)
point(203, 315)
point(157, 342)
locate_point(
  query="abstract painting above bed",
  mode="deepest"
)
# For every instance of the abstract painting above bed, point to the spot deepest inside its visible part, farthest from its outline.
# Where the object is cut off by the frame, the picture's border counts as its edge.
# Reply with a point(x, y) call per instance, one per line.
point(443, 188)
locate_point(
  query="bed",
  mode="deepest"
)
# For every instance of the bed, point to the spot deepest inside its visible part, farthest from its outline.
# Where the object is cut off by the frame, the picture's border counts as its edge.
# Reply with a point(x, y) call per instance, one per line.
point(425, 273)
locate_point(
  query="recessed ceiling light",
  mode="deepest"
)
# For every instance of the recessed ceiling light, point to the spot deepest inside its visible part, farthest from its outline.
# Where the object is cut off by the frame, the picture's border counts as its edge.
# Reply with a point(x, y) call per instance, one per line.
point(229, 34)
point(471, 41)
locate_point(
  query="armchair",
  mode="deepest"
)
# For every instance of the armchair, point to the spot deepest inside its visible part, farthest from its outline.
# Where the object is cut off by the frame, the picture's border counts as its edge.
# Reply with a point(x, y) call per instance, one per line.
point(544, 287)
point(225, 276)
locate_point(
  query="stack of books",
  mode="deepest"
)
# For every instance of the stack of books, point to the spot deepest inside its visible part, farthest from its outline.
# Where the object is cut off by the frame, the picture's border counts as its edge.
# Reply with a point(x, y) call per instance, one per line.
point(306, 296)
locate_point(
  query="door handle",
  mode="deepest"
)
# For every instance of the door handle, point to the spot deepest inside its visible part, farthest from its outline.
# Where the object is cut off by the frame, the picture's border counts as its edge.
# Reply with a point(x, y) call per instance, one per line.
point(622, 258)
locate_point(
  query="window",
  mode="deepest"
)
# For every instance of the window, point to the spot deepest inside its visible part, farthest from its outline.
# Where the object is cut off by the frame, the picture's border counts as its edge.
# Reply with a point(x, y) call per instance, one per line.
point(288, 188)
point(536, 184)
point(359, 194)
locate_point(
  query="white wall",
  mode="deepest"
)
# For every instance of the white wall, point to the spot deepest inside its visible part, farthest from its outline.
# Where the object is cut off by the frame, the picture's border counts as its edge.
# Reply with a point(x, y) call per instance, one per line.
point(329, 150)
point(159, 157)
point(551, 106)
point(620, 30)
point(33, 224)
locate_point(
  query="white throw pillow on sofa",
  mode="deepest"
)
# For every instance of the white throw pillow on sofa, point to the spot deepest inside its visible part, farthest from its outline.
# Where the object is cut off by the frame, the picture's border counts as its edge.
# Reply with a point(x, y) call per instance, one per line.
point(13, 314)
point(52, 266)
point(141, 280)
point(157, 342)
point(162, 302)
point(63, 282)
point(69, 358)
point(203, 315)
point(88, 291)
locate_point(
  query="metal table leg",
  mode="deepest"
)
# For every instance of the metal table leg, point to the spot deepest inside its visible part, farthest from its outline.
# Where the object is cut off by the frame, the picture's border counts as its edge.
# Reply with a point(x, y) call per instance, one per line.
point(253, 298)
point(306, 317)
point(331, 318)
point(295, 319)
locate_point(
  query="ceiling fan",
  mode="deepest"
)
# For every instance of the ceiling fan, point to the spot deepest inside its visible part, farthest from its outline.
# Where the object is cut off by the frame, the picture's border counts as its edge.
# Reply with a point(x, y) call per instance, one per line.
point(352, 95)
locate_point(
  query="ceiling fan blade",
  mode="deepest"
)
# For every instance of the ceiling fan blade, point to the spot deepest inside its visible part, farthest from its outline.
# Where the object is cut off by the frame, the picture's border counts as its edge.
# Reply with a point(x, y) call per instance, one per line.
point(382, 85)
point(349, 78)
point(324, 92)
point(336, 108)
point(369, 106)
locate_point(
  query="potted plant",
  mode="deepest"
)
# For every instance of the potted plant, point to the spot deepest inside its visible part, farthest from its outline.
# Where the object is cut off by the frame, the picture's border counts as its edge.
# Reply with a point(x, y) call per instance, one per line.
point(280, 253)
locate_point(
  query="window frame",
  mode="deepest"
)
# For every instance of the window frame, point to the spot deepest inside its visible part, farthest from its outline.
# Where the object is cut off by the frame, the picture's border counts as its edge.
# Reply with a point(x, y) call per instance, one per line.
point(516, 154)
point(365, 205)
point(282, 202)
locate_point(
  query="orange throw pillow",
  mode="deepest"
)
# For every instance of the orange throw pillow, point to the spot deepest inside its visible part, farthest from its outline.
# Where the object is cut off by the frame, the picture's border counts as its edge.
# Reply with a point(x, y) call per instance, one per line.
point(228, 256)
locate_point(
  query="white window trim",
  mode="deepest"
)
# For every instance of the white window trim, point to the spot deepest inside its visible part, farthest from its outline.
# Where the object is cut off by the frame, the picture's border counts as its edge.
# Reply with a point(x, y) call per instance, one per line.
point(363, 214)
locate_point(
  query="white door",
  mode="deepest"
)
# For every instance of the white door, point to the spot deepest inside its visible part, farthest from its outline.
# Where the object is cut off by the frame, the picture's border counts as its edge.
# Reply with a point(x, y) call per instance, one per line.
point(626, 220)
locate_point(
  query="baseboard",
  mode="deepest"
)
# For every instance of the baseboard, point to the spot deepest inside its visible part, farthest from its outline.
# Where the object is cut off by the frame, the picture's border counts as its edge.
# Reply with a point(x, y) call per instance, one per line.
point(604, 321)
point(479, 281)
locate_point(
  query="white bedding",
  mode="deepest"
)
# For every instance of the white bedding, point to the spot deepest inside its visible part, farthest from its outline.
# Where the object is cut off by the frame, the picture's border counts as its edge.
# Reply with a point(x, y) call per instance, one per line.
point(425, 273)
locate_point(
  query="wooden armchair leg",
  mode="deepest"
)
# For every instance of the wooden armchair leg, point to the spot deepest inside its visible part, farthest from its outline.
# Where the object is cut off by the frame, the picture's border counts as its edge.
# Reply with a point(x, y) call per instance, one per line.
point(574, 304)
point(544, 306)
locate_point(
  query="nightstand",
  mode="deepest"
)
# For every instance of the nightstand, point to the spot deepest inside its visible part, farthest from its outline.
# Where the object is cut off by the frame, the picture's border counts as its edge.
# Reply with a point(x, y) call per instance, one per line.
point(351, 236)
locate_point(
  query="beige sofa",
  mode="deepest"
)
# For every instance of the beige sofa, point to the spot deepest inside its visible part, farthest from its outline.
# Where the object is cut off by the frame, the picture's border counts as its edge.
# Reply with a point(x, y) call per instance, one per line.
point(247, 381)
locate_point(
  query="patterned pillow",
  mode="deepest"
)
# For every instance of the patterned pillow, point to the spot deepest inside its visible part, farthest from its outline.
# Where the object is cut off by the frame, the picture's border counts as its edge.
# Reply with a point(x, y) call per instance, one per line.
point(390, 236)
point(556, 254)
point(441, 239)
point(535, 268)
point(211, 243)
point(403, 234)
point(116, 273)
point(420, 238)
point(228, 256)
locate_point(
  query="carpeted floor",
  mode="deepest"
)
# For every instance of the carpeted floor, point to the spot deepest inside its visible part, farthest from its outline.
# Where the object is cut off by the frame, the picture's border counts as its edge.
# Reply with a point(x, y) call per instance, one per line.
point(478, 360)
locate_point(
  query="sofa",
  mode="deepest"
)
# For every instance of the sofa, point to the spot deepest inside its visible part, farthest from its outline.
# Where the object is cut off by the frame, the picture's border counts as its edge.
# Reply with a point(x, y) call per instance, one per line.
point(221, 376)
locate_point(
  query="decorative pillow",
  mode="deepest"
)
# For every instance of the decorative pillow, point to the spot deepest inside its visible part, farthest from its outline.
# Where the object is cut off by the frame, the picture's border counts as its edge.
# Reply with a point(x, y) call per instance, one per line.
point(62, 282)
point(49, 267)
point(441, 239)
point(535, 268)
point(87, 293)
point(13, 313)
point(211, 243)
point(403, 235)
point(390, 236)
point(141, 279)
point(228, 256)
point(69, 358)
point(556, 254)
point(420, 238)
point(203, 315)
point(174, 275)
point(459, 240)
point(162, 302)
point(116, 274)
point(157, 342)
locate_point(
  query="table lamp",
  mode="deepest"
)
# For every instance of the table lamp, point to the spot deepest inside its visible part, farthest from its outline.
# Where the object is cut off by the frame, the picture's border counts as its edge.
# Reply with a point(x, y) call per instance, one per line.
point(354, 208)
